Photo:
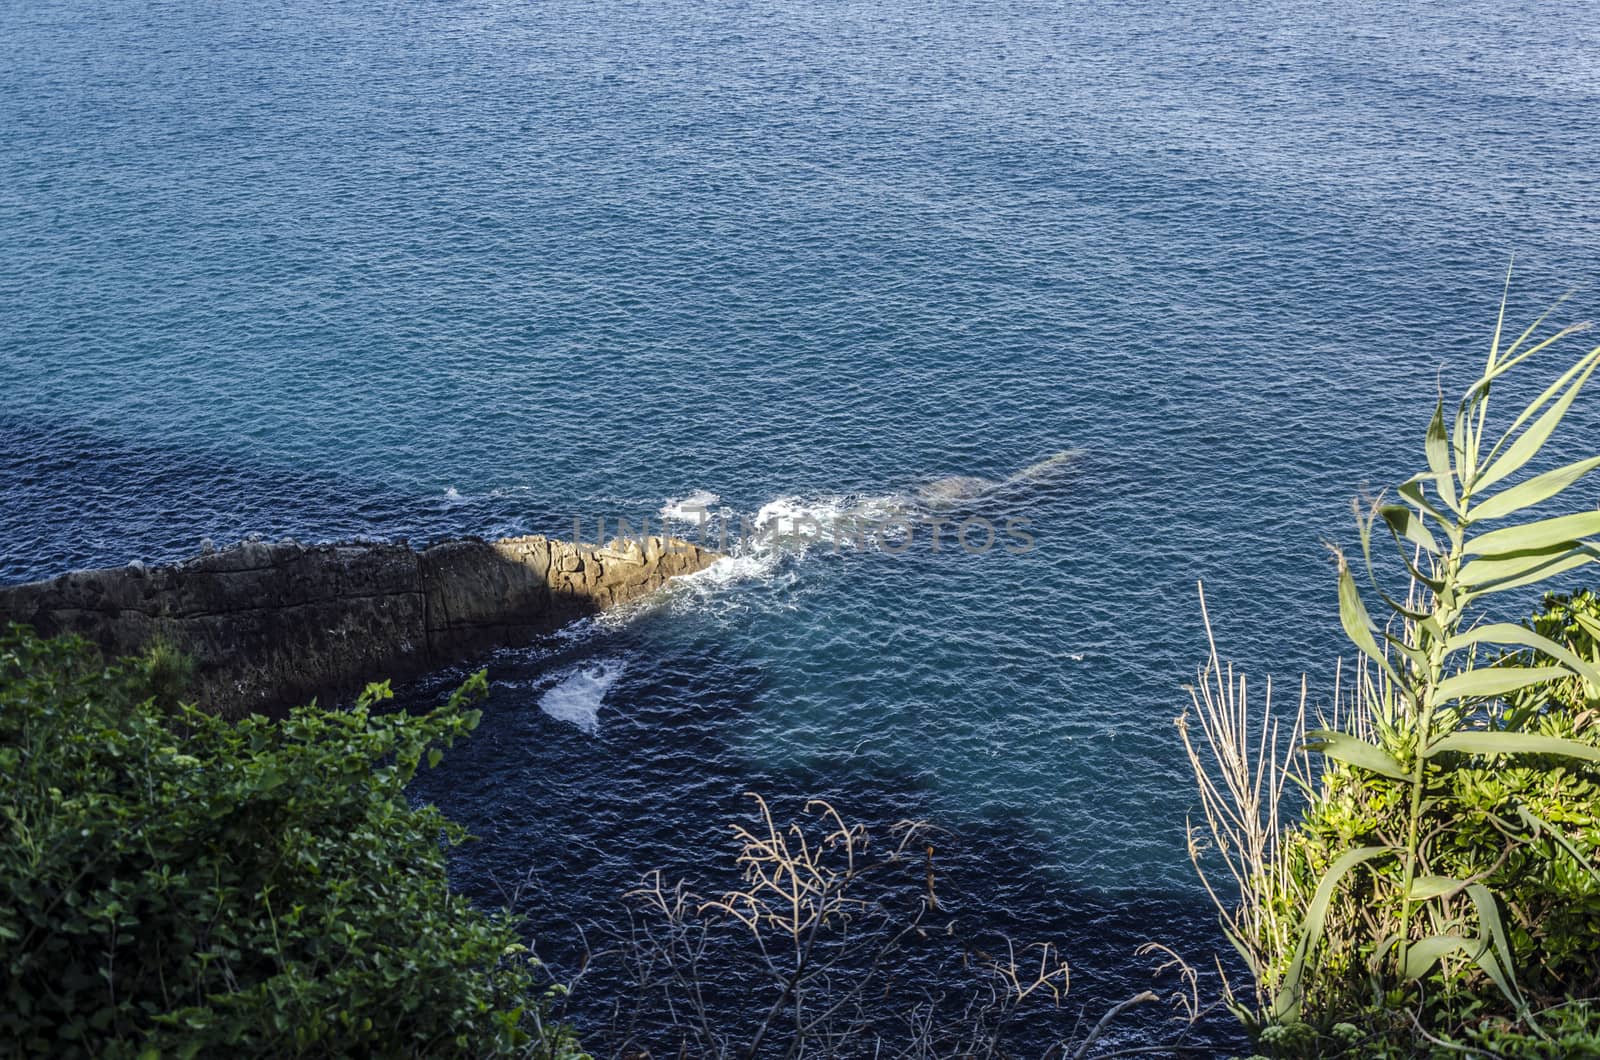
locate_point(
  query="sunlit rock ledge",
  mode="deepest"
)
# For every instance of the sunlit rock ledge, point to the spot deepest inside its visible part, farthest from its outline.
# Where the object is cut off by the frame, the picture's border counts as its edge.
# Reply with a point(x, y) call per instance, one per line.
point(271, 625)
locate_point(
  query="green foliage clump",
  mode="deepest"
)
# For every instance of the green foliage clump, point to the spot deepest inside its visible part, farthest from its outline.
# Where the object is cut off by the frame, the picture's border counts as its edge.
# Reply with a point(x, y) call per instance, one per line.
point(176, 884)
point(1569, 1031)
point(1441, 886)
point(1526, 827)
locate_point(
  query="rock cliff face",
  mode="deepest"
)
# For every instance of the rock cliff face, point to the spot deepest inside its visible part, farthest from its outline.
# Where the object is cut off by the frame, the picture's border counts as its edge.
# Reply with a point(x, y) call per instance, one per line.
point(271, 625)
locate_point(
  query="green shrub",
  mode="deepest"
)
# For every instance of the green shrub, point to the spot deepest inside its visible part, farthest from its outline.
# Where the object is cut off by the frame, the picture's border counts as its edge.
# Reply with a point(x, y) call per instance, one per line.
point(174, 884)
point(1526, 827)
point(1440, 883)
point(1570, 1031)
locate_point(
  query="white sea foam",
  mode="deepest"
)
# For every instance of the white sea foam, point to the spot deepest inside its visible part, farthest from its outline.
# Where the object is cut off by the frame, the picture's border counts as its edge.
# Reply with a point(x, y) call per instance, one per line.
point(766, 549)
point(691, 509)
point(729, 571)
point(795, 522)
point(845, 521)
point(578, 696)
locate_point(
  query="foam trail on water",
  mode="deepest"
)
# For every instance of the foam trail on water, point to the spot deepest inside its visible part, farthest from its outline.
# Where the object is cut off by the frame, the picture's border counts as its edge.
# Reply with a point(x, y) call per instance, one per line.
point(764, 552)
point(578, 696)
point(788, 528)
point(765, 549)
point(690, 509)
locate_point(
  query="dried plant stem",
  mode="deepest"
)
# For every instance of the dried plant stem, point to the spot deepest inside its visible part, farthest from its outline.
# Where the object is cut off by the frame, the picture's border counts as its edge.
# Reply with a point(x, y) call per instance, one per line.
point(1243, 762)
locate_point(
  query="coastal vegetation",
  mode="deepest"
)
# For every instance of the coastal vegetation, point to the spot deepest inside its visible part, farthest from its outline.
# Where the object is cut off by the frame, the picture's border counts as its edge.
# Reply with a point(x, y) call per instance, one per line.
point(176, 884)
point(1415, 871)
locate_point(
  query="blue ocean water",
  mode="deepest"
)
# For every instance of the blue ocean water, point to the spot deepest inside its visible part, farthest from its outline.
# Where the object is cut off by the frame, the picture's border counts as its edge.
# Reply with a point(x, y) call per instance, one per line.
point(400, 270)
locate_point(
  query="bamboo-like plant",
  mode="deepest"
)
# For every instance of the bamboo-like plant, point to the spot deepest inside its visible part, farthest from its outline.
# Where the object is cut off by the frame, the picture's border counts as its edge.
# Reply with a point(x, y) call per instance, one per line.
point(1433, 699)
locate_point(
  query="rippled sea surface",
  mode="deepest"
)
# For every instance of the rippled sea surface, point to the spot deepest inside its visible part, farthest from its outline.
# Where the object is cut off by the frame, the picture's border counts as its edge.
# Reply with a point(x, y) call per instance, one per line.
point(405, 270)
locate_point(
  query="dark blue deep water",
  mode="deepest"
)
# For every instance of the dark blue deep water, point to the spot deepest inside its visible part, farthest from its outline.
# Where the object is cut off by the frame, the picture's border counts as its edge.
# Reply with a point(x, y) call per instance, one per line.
point(404, 270)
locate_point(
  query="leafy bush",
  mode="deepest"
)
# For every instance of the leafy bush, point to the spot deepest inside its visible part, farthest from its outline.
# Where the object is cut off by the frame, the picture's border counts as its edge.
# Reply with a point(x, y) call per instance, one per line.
point(174, 884)
point(1525, 827)
point(1440, 884)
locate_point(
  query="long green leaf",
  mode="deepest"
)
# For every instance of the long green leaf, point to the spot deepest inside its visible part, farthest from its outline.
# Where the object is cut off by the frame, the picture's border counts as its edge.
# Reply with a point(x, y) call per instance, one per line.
point(1438, 448)
point(1528, 444)
point(1250, 961)
point(1412, 492)
point(1530, 537)
point(1408, 524)
point(1511, 565)
point(1485, 742)
point(1286, 1004)
point(1494, 681)
point(1508, 634)
point(1357, 752)
point(1461, 440)
point(1533, 407)
point(1493, 928)
point(1512, 361)
point(1503, 978)
point(1355, 620)
point(1513, 572)
point(1365, 522)
point(1500, 321)
point(1425, 887)
point(1467, 435)
point(1414, 653)
point(1424, 953)
point(1534, 491)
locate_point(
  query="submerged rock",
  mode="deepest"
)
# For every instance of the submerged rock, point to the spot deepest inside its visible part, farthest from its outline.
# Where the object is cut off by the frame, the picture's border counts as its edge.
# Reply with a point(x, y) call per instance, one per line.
point(960, 490)
point(955, 490)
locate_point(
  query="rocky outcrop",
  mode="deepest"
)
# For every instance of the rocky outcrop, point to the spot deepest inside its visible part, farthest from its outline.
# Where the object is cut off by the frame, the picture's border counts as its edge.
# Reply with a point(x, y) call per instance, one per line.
point(270, 625)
